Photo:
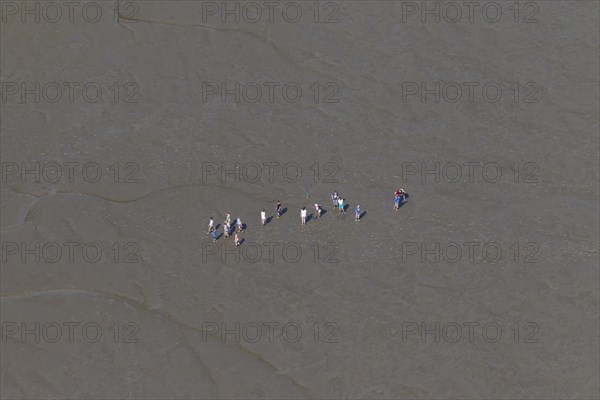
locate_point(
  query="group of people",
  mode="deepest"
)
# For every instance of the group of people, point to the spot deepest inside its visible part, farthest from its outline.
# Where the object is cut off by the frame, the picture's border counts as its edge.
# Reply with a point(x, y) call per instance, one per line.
point(338, 202)
point(227, 229)
point(399, 196)
point(263, 213)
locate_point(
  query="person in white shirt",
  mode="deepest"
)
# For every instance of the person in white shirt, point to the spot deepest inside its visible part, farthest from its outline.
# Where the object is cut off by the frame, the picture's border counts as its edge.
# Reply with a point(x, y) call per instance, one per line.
point(211, 226)
point(226, 229)
point(263, 216)
point(303, 215)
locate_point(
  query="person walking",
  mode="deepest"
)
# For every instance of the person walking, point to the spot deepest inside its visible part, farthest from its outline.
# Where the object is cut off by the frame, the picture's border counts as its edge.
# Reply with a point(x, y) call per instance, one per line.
point(214, 235)
point(318, 210)
point(341, 205)
point(240, 226)
point(278, 209)
point(211, 226)
point(334, 198)
point(357, 213)
point(263, 217)
point(226, 230)
point(236, 240)
point(403, 195)
point(303, 215)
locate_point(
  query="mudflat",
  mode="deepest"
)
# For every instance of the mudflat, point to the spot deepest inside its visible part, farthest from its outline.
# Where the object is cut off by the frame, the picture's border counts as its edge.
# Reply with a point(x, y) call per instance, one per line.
point(126, 126)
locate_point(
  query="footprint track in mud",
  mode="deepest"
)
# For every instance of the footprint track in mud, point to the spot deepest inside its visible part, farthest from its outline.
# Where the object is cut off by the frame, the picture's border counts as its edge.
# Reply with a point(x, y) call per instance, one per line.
point(26, 208)
point(138, 305)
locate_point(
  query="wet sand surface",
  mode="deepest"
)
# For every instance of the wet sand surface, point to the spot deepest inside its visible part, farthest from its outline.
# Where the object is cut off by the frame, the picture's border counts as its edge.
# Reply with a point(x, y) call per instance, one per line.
point(359, 292)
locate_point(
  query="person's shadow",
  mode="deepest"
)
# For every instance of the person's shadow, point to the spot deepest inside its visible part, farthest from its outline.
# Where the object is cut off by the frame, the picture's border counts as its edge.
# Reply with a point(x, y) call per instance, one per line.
point(217, 227)
point(323, 212)
point(242, 240)
point(220, 236)
point(309, 217)
point(403, 202)
point(361, 216)
point(268, 220)
point(283, 211)
point(244, 227)
point(346, 207)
